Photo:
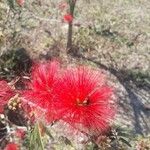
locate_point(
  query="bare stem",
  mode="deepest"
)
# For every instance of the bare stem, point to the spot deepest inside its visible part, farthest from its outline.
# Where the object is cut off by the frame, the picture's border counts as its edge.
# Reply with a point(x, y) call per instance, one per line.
point(72, 4)
point(69, 38)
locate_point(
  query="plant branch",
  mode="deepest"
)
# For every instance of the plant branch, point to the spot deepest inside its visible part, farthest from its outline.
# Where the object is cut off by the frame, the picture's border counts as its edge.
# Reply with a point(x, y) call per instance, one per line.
point(72, 4)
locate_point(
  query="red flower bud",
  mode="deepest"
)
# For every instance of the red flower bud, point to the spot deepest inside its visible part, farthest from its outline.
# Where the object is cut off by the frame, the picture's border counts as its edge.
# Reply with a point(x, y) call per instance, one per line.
point(11, 146)
point(20, 133)
point(62, 5)
point(68, 18)
point(20, 2)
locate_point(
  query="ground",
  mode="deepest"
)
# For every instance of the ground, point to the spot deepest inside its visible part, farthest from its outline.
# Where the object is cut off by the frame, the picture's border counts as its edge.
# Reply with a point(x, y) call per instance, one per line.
point(108, 34)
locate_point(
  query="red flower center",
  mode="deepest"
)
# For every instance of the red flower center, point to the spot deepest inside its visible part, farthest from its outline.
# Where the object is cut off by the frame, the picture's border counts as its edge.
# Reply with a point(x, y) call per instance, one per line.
point(85, 102)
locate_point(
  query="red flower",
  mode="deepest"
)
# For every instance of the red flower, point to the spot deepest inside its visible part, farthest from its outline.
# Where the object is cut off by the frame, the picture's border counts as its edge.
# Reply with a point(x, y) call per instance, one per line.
point(20, 2)
point(68, 18)
point(84, 101)
point(40, 95)
point(5, 94)
point(11, 146)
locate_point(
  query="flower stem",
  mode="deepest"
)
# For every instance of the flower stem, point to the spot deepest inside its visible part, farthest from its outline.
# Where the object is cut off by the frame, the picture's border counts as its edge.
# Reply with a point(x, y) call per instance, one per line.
point(72, 4)
point(39, 135)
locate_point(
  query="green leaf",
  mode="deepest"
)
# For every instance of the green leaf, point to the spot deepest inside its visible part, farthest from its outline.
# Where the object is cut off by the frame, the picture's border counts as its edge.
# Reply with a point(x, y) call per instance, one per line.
point(125, 141)
point(36, 139)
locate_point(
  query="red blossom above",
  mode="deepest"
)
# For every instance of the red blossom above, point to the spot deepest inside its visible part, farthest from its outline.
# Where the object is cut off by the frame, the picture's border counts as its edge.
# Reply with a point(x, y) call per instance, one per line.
point(5, 94)
point(84, 100)
point(11, 146)
point(68, 18)
point(20, 2)
point(43, 79)
point(62, 5)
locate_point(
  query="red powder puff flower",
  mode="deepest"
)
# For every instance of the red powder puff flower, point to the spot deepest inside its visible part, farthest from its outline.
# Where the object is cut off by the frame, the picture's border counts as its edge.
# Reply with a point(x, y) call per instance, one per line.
point(20, 2)
point(68, 18)
point(11, 146)
point(5, 94)
point(84, 100)
point(40, 94)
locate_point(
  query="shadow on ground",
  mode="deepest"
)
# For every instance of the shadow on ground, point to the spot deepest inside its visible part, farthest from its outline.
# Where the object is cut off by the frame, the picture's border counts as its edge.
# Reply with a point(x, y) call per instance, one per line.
point(141, 112)
point(14, 63)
